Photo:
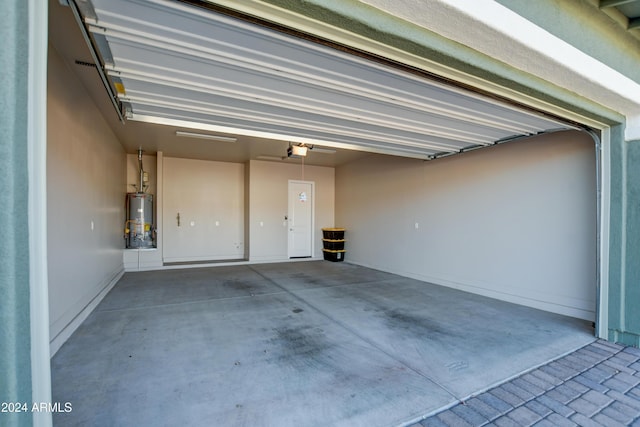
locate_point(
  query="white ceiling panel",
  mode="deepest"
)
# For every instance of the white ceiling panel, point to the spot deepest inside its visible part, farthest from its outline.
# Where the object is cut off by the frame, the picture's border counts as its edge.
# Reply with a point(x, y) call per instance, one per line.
point(182, 64)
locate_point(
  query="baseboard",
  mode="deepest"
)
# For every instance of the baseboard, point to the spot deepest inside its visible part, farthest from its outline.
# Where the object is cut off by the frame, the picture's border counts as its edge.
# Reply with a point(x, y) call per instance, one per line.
point(71, 327)
point(202, 259)
point(268, 259)
point(562, 309)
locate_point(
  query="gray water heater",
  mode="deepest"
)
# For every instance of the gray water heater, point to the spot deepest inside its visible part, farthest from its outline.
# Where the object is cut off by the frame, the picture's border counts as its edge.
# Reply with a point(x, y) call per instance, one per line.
point(140, 230)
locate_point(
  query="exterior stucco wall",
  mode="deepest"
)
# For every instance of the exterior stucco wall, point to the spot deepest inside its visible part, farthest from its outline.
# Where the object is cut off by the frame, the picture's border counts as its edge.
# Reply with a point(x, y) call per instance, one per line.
point(15, 342)
point(624, 293)
point(606, 40)
point(632, 298)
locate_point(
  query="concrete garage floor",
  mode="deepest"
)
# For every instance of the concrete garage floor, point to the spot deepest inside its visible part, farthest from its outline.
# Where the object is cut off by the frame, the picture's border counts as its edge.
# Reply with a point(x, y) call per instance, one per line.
point(293, 344)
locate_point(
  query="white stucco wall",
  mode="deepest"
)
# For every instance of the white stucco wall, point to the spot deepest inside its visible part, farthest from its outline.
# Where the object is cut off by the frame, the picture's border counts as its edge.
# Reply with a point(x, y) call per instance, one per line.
point(268, 204)
point(86, 186)
point(515, 222)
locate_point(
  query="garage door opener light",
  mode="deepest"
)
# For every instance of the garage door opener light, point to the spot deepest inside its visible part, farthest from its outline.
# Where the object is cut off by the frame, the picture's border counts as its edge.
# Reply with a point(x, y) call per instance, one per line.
point(297, 151)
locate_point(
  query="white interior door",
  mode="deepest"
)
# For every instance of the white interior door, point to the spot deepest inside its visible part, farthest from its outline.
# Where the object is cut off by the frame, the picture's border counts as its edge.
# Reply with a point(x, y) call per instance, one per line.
point(203, 210)
point(300, 218)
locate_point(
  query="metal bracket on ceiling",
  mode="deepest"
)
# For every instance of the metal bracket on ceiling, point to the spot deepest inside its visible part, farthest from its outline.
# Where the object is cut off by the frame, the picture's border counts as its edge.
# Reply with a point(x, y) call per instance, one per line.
point(77, 13)
point(84, 6)
point(126, 110)
point(103, 47)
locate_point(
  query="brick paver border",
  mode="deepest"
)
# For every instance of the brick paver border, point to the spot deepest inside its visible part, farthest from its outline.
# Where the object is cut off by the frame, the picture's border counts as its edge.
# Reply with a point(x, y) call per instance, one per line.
point(597, 385)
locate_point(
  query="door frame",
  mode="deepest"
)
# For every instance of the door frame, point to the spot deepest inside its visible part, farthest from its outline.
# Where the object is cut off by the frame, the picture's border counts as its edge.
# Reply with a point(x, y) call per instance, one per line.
point(40, 363)
point(313, 214)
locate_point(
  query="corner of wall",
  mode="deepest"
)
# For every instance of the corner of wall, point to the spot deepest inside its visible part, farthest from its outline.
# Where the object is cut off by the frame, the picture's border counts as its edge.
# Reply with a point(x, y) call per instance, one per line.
point(59, 339)
point(461, 222)
point(624, 242)
point(247, 210)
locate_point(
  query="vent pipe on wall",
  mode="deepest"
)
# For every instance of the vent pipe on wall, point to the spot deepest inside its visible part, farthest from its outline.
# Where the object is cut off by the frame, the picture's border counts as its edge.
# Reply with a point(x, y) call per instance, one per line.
point(143, 178)
point(141, 172)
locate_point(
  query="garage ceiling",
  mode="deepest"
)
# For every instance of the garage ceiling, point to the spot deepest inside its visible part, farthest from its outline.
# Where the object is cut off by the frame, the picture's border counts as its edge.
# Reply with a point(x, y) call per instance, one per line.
point(183, 66)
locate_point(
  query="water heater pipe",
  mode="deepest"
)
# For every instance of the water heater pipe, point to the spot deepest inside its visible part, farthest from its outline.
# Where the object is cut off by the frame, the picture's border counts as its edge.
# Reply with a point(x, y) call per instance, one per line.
point(141, 170)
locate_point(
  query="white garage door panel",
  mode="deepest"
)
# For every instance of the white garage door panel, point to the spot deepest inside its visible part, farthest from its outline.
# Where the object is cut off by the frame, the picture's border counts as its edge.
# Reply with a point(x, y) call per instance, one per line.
point(327, 134)
point(188, 53)
point(208, 197)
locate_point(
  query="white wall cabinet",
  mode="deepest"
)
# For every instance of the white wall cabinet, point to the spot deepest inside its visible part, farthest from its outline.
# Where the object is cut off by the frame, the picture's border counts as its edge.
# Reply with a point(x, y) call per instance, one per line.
point(203, 210)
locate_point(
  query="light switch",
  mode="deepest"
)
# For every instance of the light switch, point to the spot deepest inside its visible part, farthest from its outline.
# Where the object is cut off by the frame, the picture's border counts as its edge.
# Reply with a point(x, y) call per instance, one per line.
point(217, 223)
point(192, 223)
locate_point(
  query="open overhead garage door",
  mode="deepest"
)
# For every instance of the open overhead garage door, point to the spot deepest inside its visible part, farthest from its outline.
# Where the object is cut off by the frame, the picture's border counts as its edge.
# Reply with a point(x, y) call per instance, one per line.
point(176, 64)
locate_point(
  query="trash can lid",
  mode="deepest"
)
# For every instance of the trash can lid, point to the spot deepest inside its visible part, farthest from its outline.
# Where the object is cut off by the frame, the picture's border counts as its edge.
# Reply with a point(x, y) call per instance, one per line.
point(333, 229)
